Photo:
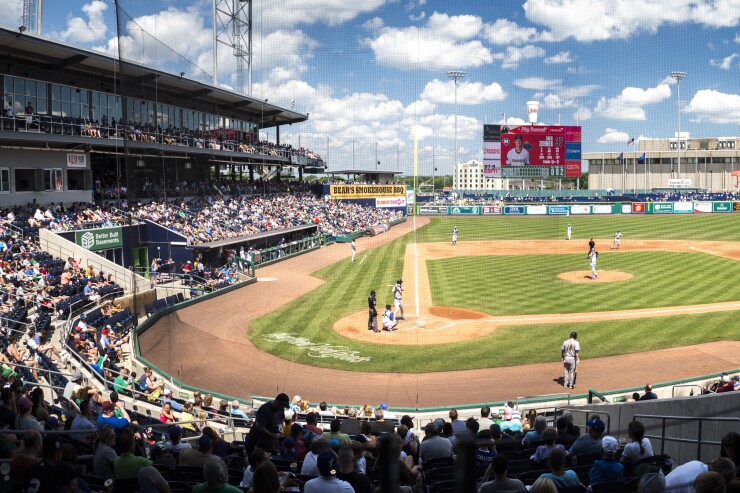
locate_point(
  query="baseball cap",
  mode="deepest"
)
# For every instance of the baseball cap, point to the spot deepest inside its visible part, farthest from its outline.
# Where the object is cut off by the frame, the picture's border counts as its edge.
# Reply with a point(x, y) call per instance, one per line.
point(596, 424)
point(175, 431)
point(52, 422)
point(24, 404)
point(283, 399)
point(108, 406)
point(407, 420)
point(431, 427)
point(295, 428)
point(105, 332)
point(289, 442)
point(518, 137)
point(8, 372)
point(167, 392)
point(51, 442)
point(609, 444)
point(440, 422)
point(384, 406)
point(326, 463)
point(77, 376)
point(205, 442)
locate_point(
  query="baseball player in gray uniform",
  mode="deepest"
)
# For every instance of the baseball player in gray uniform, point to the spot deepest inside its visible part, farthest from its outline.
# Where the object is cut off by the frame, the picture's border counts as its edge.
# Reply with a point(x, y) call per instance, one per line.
point(570, 352)
point(592, 255)
point(398, 300)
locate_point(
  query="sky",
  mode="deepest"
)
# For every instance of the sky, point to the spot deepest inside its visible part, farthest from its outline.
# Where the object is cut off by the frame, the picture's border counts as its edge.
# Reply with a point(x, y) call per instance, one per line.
point(373, 74)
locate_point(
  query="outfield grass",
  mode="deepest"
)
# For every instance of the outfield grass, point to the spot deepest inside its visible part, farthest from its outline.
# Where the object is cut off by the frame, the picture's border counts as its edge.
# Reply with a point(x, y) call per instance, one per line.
point(528, 284)
point(313, 315)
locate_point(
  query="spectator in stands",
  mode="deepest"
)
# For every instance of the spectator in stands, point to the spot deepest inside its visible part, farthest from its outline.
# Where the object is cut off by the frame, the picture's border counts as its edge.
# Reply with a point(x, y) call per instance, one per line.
point(176, 445)
point(201, 456)
point(104, 455)
point(457, 425)
point(499, 437)
point(544, 485)
point(607, 468)
point(127, 465)
point(340, 437)
point(639, 448)
point(26, 456)
point(710, 482)
point(235, 411)
point(558, 474)
point(325, 411)
point(380, 425)
point(74, 380)
point(590, 443)
point(21, 357)
point(25, 420)
point(485, 420)
point(562, 430)
point(215, 477)
point(122, 384)
point(109, 416)
point(265, 431)
point(731, 447)
point(725, 384)
point(359, 482)
point(39, 477)
point(535, 435)
point(649, 394)
point(152, 481)
point(434, 446)
point(549, 436)
point(83, 423)
point(312, 420)
point(501, 483)
point(319, 445)
point(366, 437)
point(166, 415)
point(255, 459)
point(220, 446)
point(652, 482)
point(681, 478)
point(572, 429)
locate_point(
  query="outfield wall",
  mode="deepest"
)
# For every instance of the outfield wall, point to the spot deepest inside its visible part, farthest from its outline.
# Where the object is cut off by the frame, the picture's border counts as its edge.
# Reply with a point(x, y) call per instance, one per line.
point(698, 207)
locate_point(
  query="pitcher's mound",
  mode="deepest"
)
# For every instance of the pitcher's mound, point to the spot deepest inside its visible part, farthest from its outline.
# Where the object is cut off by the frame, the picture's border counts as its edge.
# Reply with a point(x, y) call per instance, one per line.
point(602, 276)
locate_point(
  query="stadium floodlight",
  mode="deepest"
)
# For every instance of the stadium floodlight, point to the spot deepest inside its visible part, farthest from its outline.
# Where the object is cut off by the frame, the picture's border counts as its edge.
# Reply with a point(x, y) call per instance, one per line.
point(455, 75)
point(679, 76)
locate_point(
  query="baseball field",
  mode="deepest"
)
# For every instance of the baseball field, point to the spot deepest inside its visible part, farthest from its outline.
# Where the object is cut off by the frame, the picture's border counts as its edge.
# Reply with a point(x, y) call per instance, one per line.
point(512, 289)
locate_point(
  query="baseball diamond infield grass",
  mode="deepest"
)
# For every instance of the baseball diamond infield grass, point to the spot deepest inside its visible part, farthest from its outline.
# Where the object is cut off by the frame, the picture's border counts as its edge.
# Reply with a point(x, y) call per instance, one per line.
point(525, 284)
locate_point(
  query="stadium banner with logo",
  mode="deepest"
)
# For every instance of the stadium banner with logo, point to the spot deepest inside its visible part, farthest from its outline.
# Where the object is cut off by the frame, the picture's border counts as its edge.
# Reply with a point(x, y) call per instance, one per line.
point(536, 210)
point(627, 208)
point(601, 209)
point(491, 209)
point(410, 197)
point(366, 191)
point(683, 207)
point(390, 202)
point(76, 160)
point(432, 210)
point(99, 239)
point(464, 210)
point(736, 206)
point(638, 207)
point(558, 210)
point(679, 182)
point(580, 209)
point(492, 159)
point(660, 208)
point(702, 207)
point(721, 206)
point(516, 210)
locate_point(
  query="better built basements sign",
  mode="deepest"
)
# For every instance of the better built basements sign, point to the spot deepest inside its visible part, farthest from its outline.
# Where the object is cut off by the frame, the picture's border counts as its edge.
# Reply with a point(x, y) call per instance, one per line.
point(99, 239)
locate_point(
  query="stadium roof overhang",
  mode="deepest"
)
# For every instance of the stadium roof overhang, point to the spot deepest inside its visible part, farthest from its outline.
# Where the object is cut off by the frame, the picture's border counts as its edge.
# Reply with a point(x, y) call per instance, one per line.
point(252, 238)
point(362, 172)
point(27, 55)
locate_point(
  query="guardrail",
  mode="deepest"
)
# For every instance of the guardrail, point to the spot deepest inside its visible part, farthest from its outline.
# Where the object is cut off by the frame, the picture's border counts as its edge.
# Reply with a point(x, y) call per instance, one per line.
point(700, 423)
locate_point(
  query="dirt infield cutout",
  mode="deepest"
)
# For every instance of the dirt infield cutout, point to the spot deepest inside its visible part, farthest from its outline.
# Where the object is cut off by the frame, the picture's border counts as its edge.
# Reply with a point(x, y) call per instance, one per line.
point(443, 324)
point(601, 276)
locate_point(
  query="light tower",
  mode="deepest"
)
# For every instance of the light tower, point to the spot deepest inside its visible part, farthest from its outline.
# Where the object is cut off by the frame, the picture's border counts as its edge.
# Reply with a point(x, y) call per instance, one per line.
point(679, 76)
point(455, 75)
point(31, 17)
point(232, 27)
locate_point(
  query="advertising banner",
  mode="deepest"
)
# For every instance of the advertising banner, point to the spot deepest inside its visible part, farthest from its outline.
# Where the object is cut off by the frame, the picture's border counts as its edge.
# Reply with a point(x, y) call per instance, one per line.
point(535, 146)
point(573, 170)
point(721, 206)
point(366, 191)
point(491, 209)
point(99, 239)
point(433, 210)
point(736, 206)
point(662, 207)
point(76, 160)
point(601, 209)
point(409, 196)
point(638, 208)
point(580, 209)
point(492, 159)
point(537, 209)
point(391, 202)
point(558, 209)
point(515, 209)
point(679, 183)
point(464, 210)
point(702, 207)
point(683, 207)
point(627, 208)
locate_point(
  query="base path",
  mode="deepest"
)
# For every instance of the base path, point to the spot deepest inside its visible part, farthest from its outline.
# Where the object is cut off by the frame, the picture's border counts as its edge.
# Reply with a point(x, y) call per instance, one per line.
point(205, 346)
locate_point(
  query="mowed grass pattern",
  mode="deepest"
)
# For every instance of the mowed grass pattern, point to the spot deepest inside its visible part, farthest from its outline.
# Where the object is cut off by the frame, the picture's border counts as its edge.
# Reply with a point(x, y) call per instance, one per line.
point(347, 285)
point(528, 284)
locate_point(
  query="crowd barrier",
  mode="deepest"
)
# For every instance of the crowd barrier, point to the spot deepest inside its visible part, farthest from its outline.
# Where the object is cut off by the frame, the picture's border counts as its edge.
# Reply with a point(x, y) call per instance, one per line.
point(697, 207)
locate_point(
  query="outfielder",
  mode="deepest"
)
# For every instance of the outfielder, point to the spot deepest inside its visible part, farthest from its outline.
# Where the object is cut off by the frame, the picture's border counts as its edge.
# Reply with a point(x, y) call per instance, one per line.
point(354, 249)
point(570, 231)
point(592, 256)
point(454, 235)
point(617, 236)
point(389, 319)
point(398, 300)
point(570, 353)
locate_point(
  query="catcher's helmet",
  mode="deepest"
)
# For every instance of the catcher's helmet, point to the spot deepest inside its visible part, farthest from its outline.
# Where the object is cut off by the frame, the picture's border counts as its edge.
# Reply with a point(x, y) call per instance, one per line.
point(574, 334)
point(372, 293)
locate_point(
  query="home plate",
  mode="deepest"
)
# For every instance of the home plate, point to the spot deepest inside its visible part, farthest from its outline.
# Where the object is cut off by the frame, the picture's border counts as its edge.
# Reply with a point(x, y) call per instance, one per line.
point(266, 279)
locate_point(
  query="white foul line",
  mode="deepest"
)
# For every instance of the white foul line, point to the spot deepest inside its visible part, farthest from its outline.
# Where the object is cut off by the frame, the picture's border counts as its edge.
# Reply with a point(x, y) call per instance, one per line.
point(363, 259)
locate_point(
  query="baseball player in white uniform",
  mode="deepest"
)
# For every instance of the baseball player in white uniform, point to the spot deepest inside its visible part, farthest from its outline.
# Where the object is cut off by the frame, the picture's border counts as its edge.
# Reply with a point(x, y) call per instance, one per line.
point(454, 235)
point(398, 300)
point(570, 231)
point(389, 319)
point(592, 255)
point(354, 249)
point(617, 236)
point(570, 352)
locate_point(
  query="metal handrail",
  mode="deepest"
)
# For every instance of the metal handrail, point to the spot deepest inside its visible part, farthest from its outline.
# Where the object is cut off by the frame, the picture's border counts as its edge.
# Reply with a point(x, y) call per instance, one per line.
point(698, 439)
point(690, 385)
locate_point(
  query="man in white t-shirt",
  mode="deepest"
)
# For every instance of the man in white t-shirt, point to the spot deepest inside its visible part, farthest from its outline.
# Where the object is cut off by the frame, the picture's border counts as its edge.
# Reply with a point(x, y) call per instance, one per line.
point(518, 156)
point(570, 352)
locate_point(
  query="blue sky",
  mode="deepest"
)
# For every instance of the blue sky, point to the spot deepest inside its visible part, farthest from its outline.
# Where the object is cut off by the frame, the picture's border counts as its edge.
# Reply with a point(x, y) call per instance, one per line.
point(369, 72)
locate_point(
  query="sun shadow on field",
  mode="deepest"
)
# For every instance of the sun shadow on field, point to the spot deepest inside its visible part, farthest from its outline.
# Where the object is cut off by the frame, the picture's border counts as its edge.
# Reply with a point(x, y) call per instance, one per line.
point(559, 380)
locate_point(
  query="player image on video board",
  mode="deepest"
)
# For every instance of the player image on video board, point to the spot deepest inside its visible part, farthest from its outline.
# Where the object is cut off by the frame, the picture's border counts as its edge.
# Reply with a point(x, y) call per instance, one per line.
point(518, 156)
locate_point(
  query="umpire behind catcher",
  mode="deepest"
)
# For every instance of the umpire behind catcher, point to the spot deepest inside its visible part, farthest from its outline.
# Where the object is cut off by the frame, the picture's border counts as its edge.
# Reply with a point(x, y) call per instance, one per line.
point(569, 352)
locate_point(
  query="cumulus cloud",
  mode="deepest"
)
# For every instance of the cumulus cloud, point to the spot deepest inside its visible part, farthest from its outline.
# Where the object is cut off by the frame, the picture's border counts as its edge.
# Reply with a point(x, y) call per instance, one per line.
point(445, 42)
point(628, 105)
point(582, 113)
point(86, 31)
point(515, 54)
point(440, 91)
point(506, 32)
point(715, 106)
point(562, 57)
point(536, 83)
point(586, 21)
point(420, 107)
point(726, 62)
point(291, 13)
point(10, 14)
point(612, 136)
point(373, 24)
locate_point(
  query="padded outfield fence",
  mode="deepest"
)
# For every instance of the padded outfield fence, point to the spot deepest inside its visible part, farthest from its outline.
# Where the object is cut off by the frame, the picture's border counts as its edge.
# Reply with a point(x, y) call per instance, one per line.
point(584, 209)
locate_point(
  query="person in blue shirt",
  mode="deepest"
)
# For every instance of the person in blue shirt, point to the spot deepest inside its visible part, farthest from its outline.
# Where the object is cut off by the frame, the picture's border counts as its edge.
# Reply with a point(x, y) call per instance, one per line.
point(607, 468)
point(108, 416)
point(558, 474)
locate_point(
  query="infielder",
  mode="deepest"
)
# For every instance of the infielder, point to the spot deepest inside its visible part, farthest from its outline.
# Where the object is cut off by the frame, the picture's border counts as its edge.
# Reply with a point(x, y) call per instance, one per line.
point(617, 236)
point(354, 249)
point(398, 300)
point(389, 319)
point(570, 353)
point(570, 231)
point(592, 255)
point(372, 313)
point(454, 235)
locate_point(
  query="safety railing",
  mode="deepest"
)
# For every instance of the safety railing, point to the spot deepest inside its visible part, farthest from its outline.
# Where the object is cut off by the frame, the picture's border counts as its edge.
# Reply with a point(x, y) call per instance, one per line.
point(691, 386)
point(700, 421)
